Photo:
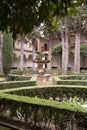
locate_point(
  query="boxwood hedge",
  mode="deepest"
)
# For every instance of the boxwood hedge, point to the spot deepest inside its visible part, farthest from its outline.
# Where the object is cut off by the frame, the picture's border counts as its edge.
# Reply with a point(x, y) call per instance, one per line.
point(43, 113)
point(17, 77)
point(16, 84)
point(68, 81)
point(56, 92)
point(43, 107)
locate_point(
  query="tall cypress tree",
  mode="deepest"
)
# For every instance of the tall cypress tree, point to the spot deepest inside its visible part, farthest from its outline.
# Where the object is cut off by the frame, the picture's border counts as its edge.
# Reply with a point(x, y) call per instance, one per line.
point(7, 53)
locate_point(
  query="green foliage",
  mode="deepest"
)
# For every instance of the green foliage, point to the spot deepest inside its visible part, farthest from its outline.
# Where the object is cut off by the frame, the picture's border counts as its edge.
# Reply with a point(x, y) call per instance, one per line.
point(62, 109)
point(16, 84)
point(73, 77)
point(22, 17)
point(70, 80)
point(54, 92)
point(83, 49)
point(16, 72)
point(57, 49)
point(17, 77)
point(41, 112)
point(39, 56)
point(7, 52)
point(2, 79)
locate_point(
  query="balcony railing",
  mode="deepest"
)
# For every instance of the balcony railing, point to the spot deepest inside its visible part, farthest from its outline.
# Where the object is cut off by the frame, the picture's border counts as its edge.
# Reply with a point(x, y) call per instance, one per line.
point(44, 49)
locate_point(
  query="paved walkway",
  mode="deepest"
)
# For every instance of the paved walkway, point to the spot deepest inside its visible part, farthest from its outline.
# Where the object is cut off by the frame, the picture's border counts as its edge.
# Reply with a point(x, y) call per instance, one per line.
point(42, 79)
point(45, 79)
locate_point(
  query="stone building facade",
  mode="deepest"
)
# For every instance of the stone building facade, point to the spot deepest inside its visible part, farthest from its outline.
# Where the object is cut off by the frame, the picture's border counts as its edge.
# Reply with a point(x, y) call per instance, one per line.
point(46, 45)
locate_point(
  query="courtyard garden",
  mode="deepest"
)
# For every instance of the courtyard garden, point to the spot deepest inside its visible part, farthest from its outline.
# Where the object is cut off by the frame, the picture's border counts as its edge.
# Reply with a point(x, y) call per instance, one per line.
point(61, 105)
point(43, 65)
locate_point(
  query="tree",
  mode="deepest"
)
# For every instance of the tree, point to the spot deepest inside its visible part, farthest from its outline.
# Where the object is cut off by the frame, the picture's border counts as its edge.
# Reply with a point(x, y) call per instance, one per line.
point(77, 53)
point(65, 40)
point(7, 53)
point(22, 17)
point(79, 24)
point(34, 41)
point(1, 45)
point(64, 34)
point(19, 17)
point(22, 38)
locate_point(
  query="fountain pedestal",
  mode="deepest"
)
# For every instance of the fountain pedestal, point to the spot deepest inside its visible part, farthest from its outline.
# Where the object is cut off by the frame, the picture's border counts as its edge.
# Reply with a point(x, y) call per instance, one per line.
point(40, 65)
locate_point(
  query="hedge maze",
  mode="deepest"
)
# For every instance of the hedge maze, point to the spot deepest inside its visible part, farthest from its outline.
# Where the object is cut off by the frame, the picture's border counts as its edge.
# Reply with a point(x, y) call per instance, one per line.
point(57, 107)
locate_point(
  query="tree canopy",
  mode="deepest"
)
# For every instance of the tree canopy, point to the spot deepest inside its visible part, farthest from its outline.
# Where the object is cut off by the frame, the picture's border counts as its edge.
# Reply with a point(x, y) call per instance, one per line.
point(22, 16)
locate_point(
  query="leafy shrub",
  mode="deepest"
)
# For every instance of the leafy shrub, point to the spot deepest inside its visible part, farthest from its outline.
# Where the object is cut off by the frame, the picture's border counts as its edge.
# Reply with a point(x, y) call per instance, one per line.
point(39, 56)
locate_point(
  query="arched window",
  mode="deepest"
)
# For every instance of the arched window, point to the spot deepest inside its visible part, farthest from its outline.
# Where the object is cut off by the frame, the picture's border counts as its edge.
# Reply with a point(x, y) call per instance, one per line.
point(45, 47)
point(36, 46)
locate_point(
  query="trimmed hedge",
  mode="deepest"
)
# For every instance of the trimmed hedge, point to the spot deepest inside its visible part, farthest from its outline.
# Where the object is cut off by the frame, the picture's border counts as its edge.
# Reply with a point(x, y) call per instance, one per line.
point(42, 113)
point(2, 79)
point(1, 75)
point(16, 72)
point(73, 77)
point(45, 114)
point(58, 81)
point(16, 84)
point(17, 77)
point(58, 92)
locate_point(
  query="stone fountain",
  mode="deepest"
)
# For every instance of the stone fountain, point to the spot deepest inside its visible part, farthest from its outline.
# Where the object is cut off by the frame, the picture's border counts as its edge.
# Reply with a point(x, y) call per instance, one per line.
point(41, 73)
point(41, 59)
point(40, 65)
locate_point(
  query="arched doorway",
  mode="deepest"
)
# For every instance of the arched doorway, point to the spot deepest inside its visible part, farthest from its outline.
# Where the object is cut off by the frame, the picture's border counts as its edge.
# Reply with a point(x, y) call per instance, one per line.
point(25, 60)
point(30, 59)
point(15, 62)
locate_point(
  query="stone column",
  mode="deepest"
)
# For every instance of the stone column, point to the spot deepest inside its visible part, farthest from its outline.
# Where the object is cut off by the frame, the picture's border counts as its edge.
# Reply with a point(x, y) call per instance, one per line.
point(22, 53)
